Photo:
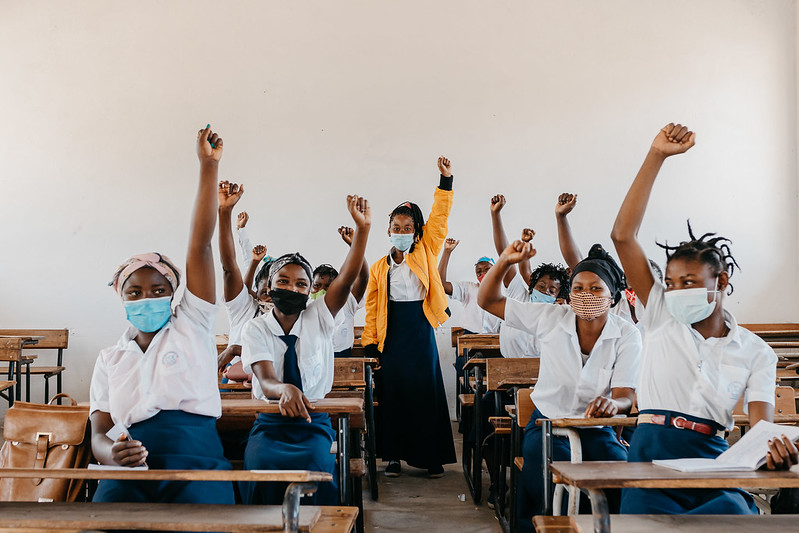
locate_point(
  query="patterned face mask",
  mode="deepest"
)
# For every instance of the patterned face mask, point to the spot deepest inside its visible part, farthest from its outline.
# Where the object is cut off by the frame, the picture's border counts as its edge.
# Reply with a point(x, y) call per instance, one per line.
point(587, 306)
point(631, 297)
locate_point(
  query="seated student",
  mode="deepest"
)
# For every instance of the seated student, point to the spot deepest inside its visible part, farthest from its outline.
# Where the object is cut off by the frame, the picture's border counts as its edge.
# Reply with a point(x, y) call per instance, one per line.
point(290, 351)
point(697, 362)
point(323, 275)
point(154, 395)
point(589, 363)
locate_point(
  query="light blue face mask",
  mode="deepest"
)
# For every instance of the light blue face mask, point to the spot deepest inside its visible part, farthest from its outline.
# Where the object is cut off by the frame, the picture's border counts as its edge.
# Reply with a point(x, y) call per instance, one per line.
point(149, 314)
point(689, 306)
point(540, 298)
point(402, 241)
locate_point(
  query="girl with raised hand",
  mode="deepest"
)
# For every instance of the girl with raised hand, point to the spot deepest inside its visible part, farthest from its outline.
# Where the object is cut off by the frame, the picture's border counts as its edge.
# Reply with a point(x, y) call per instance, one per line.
point(290, 352)
point(154, 395)
point(697, 362)
point(589, 363)
point(405, 301)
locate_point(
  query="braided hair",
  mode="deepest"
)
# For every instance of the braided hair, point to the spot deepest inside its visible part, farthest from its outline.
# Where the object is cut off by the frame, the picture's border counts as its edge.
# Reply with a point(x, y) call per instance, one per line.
point(325, 270)
point(412, 210)
point(556, 273)
point(709, 249)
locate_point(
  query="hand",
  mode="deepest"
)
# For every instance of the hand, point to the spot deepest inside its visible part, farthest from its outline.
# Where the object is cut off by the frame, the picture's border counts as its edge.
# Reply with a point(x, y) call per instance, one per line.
point(258, 253)
point(601, 407)
point(527, 234)
point(782, 454)
point(242, 218)
point(209, 146)
point(294, 404)
point(445, 167)
point(565, 205)
point(360, 211)
point(229, 194)
point(673, 140)
point(346, 234)
point(517, 252)
point(561, 301)
point(128, 452)
point(497, 203)
point(450, 245)
point(226, 356)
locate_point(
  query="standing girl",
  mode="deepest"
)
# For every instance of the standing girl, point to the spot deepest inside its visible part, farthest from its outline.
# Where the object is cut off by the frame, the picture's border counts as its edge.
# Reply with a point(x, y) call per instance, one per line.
point(405, 301)
point(154, 395)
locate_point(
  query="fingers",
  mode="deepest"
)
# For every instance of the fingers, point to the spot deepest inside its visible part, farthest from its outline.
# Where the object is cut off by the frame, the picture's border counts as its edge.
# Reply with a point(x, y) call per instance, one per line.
point(782, 454)
point(128, 452)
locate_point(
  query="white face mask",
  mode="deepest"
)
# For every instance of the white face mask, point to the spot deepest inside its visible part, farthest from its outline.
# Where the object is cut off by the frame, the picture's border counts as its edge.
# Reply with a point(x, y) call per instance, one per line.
point(689, 306)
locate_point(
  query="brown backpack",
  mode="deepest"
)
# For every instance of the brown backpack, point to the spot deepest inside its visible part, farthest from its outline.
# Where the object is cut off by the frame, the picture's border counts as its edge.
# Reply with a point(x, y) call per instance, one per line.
point(44, 436)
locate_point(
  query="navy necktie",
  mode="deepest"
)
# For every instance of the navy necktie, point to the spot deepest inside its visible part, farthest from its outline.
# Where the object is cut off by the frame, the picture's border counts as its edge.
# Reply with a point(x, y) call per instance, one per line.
point(291, 367)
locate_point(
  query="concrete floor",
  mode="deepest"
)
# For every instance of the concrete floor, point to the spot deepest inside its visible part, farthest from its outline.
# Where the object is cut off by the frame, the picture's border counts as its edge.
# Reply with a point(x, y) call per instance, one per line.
point(413, 502)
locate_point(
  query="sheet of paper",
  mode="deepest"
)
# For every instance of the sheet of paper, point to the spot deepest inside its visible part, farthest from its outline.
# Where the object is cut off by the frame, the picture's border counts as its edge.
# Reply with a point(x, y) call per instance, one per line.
point(116, 431)
point(116, 467)
point(751, 450)
point(695, 464)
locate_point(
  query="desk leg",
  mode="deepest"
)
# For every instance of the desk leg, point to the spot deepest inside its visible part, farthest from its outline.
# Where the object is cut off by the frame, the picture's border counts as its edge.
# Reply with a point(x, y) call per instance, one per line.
point(546, 435)
point(599, 508)
point(291, 505)
point(371, 444)
point(515, 451)
point(344, 459)
point(477, 453)
point(18, 371)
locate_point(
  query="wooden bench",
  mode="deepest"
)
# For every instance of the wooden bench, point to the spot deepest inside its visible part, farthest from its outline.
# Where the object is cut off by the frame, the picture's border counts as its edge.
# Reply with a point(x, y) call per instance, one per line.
point(675, 523)
point(46, 339)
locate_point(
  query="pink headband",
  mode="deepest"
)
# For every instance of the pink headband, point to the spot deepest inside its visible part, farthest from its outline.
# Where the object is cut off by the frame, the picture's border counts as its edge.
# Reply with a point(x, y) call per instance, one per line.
point(160, 263)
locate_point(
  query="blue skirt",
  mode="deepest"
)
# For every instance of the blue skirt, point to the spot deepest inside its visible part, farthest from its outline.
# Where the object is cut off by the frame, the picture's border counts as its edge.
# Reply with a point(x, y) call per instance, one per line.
point(175, 440)
point(413, 423)
point(278, 442)
point(668, 442)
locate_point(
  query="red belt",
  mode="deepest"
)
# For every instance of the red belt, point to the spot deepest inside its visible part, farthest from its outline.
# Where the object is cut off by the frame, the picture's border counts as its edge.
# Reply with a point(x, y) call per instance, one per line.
point(679, 422)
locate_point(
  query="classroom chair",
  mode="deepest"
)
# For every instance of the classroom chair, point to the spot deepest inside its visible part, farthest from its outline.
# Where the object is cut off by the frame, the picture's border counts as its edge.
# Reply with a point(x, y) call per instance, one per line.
point(47, 339)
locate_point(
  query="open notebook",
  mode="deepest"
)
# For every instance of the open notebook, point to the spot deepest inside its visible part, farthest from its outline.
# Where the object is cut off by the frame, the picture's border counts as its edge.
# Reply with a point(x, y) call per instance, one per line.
point(747, 454)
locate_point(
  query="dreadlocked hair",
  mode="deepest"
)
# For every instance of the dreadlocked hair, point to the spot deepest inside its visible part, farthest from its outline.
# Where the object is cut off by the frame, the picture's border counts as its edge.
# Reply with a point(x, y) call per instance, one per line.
point(262, 274)
point(412, 210)
point(709, 249)
point(326, 270)
point(556, 272)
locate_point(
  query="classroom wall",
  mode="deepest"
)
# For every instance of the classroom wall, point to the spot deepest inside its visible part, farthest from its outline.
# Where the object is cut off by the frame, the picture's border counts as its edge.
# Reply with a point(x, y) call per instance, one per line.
point(101, 102)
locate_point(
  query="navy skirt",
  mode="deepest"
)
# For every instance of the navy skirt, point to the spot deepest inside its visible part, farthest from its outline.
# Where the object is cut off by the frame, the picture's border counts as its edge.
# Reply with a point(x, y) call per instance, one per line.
point(175, 440)
point(668, 442)
point(413, 423)
point(279, 442)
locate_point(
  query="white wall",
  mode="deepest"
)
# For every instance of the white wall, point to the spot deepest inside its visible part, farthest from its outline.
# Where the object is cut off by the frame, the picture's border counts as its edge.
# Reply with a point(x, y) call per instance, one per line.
point(101, 102)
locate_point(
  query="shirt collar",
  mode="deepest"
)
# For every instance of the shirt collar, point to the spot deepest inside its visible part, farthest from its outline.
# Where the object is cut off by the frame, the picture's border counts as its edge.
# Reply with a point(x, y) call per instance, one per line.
point(610, 331)
point(276, 329)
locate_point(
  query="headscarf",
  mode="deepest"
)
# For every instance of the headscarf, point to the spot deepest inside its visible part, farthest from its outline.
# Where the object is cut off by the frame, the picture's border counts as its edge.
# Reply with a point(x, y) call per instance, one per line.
point(159, 262)
point(289, 259)
point(603, 265)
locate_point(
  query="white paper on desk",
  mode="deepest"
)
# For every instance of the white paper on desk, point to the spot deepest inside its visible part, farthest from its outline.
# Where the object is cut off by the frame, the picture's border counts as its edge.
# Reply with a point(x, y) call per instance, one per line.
point(747, 454)
point(115, 432)
point(116, 467)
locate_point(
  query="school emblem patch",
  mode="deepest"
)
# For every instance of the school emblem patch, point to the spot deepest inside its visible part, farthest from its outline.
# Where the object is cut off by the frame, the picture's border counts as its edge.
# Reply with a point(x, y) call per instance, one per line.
point(169, 359)
point(735, 389)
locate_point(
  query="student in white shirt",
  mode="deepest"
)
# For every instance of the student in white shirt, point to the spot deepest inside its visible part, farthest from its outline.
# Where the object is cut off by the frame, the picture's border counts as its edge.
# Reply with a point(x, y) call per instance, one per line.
point(697, 362)
point(154, 397)
point(323, 275)
point(290, 351)
point(589, 362)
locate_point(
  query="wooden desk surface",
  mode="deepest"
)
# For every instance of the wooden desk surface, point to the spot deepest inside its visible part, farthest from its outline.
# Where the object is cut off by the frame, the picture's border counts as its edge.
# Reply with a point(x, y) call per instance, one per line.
point(620, 474)
point(341, 406)
point(167, 475)
point(743, 420)
point(621, 421)
point(675, 523)
point(475, 362)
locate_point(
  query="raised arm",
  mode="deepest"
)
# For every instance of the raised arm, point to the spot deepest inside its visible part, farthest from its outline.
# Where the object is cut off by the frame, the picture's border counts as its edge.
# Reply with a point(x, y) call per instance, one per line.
point(671, 140)
point(443, 263)
point(200, 257)
point(359, 287)
point(244, 237)
point(489, 296)
point(257, 255)
point(568, 246)
point(525, 269)
point(369, 335)
point(339, 289)
point(500, 237)
point(229, 195)
point(436, 228)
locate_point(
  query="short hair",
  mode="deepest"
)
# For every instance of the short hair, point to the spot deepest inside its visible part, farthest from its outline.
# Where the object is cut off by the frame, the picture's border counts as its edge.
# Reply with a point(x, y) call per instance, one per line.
point(556, 272)
point(656, 269)
point(326, 270)
point(412, 210)
point(709, 249)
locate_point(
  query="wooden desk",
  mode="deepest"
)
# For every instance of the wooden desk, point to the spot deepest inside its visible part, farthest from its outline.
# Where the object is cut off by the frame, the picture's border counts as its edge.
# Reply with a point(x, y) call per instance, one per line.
point(16, 365)
point(671, 523)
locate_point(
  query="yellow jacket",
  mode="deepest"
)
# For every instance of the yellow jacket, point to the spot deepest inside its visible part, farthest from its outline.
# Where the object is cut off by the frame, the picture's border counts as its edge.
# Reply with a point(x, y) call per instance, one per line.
point(423, 262)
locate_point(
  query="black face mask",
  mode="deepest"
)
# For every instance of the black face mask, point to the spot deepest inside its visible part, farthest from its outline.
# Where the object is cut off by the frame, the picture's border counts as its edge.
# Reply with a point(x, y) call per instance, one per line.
point(288, 302)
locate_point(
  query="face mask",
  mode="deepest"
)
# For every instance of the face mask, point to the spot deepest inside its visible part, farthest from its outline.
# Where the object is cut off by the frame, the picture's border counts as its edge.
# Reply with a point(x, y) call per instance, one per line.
point(265, 307)
point(149, 314)
point(631, 297)
point(480, 278)
point(401, 241)
point(318, 294)
point(689, 306)
point(288, 302)
point(587, 306)
point(539, 297)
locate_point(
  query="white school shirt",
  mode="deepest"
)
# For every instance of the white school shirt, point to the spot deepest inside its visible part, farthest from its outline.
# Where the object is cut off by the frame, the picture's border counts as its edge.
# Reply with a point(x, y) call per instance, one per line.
point(240, 310)
point(246, 248)
point(314, 330)
point(405, 285)
point(177, 372)
point(565, 386)
point(684, 372)
point(515, 342)
point(344, 329)
point(475, 319)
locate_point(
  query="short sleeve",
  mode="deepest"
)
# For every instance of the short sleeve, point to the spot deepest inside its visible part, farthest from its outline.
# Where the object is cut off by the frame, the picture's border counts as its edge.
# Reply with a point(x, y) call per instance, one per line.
point(240, 310)
point(518, 290)
point(760, 386)
point(327, 322)
point(255, 345)
point(656, 312)
point(196, 310)
point(98, 391)
point(532, 317)
point(460, 291)
point(628, 358)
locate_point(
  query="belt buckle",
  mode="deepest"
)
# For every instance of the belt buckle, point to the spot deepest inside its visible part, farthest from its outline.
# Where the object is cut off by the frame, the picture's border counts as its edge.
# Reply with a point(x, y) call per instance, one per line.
point(674, 421)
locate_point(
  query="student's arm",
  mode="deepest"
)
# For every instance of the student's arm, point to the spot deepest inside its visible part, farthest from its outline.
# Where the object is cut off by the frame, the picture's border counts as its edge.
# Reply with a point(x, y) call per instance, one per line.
point(200, 257)
point(443, 263)
point(568, 246)
point(122, 452)
point(489, 296)
point(229, 194)
point(339, 289)
point(227, 356)
point(258, 253)
point(525, 269)
point(359, 287)
point(292, 402)
point(621, 401)
point(500, 237)
point(671, 140)
point(241, 228)
point(436, 228)
point(369, 335)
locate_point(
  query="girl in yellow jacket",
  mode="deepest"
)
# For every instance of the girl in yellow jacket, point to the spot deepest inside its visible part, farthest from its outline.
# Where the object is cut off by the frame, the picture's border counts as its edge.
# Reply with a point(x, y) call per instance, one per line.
point(405, 301)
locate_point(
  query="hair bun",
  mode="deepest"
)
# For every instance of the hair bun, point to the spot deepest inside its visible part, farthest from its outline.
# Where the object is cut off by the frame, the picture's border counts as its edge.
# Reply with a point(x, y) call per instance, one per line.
point(597, 252)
